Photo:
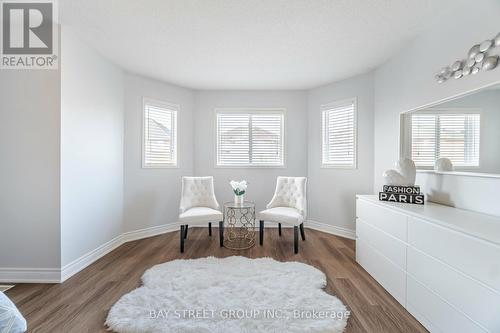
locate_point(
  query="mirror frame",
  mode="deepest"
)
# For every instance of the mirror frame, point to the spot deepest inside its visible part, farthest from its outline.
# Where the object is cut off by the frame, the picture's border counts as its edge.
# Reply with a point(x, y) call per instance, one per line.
point(434, 104)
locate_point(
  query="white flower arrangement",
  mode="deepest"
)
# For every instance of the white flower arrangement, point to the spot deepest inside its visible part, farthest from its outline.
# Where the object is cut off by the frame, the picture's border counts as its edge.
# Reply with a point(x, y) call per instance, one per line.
point(240, 187)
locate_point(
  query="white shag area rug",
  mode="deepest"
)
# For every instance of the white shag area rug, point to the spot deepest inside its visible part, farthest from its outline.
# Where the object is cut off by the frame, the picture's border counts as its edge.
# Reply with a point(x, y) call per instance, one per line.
point(234, 294)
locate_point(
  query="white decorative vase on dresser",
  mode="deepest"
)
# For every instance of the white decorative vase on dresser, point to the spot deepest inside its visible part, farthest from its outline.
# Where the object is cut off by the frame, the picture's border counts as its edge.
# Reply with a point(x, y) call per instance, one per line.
point(441, 263)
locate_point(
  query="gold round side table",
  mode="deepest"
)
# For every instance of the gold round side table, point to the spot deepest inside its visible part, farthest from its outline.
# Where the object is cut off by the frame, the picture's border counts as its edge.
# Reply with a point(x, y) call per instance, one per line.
point(239, 225)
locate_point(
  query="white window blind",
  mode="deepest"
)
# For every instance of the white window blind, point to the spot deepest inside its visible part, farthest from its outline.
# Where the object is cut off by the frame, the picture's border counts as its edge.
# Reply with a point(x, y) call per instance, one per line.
point(339, 134)
point(454, 136)
point(250, 138)
point(160, 134)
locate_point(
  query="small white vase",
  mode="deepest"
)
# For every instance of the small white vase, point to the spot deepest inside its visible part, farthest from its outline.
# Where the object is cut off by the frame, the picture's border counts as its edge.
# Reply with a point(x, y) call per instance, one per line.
point(238, 199)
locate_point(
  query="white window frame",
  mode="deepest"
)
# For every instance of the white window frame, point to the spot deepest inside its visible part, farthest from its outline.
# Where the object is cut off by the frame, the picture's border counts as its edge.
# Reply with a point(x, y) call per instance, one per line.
point(166, 105)
point(250, 110)
point(324, 108)
point(405, 124)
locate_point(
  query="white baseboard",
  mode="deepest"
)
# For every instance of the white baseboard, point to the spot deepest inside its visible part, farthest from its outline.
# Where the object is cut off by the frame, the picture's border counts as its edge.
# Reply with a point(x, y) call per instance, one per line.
point(56, 275)
point(59, 275)
point(331, 229)
point(29, 275)
point(78, 264)
point(149, 232)
point(5, 287)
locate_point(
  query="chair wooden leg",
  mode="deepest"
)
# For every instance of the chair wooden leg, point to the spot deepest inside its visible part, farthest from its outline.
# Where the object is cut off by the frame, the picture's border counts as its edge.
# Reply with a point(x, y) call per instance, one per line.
point(185, 231)
point(261, 232)
point(296, 239)
point(221, 233)
point(302, 233)
point(279, 229)
point(182, 238)
point(210, 228)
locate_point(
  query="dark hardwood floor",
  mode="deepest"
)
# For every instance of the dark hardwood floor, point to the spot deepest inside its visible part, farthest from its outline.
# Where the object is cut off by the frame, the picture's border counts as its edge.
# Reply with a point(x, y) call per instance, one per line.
point(81, 303)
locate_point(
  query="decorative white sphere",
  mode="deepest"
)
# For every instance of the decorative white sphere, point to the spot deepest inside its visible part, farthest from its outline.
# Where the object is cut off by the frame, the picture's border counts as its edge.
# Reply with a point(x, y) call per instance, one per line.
point(443, 164)
point(485, 46)
point(490, 63)
point(473, 51)
point(479, 57)
point(457, 65)
point(470, 62)
point(458, 74)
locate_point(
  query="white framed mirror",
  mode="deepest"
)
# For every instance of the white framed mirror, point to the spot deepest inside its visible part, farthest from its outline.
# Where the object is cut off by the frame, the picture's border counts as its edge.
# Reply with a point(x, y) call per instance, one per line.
point(464, 131)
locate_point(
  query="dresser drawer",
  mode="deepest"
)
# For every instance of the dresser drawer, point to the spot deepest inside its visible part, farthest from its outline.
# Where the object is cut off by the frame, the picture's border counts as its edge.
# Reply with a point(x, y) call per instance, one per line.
point(391, 277)
point(477, 301)
point(428, 308)
point(476, 258)
point(390, 247)
point(383, 218)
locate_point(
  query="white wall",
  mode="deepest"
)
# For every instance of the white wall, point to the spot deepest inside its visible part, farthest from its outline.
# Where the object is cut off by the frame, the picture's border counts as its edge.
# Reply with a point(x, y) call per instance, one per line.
point(152, 195)
point(29, 169)
point(262, 181)
point(92, 119)
point(332, 191)
point(90, 135)
point(407, 82)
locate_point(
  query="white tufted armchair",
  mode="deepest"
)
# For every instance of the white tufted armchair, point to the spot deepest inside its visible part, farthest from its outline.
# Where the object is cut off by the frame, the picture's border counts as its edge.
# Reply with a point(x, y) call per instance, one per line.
point(198, 206)
point(288, 205)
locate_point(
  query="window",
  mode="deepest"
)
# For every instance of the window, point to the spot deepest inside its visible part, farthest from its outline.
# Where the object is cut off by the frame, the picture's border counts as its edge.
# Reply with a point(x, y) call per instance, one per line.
point(339, 134)
point(451, 135)
point(160, 134)
point(250, 138)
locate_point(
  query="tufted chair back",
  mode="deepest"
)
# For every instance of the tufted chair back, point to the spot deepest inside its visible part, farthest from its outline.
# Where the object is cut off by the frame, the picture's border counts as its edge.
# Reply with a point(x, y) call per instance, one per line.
point(198, 192)
point(290, 192)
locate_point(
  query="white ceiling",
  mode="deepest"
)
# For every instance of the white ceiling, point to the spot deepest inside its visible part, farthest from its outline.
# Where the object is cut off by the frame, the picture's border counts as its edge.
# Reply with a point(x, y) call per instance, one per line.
point(250, 44)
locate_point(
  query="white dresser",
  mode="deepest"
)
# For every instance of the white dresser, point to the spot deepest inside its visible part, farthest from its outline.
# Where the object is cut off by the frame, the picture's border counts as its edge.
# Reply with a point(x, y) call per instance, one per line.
point(441, 263)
